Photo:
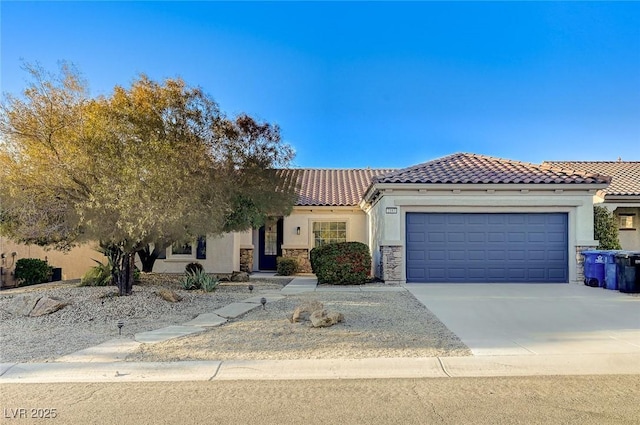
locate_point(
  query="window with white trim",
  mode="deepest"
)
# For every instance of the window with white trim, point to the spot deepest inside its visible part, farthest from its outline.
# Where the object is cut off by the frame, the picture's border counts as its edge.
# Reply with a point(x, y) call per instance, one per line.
point(325, 232)
point(182, 249)
point(626, 221)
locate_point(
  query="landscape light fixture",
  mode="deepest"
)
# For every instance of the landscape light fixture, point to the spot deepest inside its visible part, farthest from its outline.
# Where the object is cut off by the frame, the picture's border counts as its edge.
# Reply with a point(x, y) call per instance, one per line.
point(263, 301)
point(120, 325)
point(250, 288)
point(298, 230)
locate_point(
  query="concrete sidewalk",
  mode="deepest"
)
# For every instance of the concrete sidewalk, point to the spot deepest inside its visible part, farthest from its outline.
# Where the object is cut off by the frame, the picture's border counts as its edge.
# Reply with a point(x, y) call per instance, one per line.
point(377, 368)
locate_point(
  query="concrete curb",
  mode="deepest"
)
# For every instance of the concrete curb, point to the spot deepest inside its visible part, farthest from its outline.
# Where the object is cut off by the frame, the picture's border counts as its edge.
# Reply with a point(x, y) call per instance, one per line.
point(308, 369)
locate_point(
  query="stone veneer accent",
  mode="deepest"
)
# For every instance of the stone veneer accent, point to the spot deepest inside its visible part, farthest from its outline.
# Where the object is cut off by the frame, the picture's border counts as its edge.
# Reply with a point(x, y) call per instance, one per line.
point(580, 262)
point(301, 255)
point(391, 263)
point(246, 260)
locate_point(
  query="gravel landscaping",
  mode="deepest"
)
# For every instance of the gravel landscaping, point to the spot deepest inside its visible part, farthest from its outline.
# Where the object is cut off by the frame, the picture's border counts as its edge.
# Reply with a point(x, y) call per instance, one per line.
point(376, 324)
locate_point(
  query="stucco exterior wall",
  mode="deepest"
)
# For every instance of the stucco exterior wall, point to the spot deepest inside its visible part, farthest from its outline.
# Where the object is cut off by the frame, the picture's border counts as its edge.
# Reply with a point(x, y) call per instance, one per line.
point(303, 218)
point(388, 228)
point(73, 263)
point(223, 256)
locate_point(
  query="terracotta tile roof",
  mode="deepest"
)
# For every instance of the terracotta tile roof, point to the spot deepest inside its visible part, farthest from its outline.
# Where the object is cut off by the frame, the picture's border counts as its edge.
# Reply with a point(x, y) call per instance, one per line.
point(466, 168)
point(625, 175)
point(331, 187)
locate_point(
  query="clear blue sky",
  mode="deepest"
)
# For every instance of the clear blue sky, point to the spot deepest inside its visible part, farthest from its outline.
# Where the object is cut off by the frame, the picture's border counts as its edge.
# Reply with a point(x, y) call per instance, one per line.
point(369, 84)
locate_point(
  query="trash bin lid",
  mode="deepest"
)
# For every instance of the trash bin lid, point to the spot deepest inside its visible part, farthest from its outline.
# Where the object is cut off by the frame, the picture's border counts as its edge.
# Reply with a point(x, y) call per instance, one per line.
point(625, 254)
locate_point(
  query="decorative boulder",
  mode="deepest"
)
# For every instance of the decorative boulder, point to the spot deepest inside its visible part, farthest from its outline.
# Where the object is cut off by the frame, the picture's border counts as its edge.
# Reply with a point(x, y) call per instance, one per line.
point(304, 310)
point(22, 305)
point(239, 277)
point(169, 295)
point(324, 318)
point(46, 305)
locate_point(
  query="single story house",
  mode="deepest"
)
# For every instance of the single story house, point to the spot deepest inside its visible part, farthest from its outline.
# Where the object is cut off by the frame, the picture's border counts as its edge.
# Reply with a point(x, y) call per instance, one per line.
point(461, 218)
point(622, 196)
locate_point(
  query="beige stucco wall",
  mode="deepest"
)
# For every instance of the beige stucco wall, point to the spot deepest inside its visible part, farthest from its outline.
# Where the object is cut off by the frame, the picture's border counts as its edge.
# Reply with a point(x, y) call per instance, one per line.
point(630, 238)
point(223, 256)
point(73, 263)
point(389, 229)
point(355, 218)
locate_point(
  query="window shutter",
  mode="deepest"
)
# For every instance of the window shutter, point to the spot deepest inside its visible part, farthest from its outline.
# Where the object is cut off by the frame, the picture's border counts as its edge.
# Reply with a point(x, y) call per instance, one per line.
point(201, 251)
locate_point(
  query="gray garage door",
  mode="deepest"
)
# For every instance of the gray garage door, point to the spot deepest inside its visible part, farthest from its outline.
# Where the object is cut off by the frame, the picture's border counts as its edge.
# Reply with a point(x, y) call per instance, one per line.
point(487, 247)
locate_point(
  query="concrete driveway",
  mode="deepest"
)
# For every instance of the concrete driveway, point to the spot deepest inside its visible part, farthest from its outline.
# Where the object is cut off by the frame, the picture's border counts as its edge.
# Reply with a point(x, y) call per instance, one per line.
point(517, 319)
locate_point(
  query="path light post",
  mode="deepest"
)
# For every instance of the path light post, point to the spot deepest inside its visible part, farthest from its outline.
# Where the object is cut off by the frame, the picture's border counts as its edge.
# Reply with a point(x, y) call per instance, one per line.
point(250, 288)
point(120, 325)
point(263, 301)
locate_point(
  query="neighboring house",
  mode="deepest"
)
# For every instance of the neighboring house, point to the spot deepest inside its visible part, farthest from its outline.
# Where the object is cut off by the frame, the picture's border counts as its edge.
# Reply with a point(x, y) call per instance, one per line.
point(461, 218)
point(622, 196)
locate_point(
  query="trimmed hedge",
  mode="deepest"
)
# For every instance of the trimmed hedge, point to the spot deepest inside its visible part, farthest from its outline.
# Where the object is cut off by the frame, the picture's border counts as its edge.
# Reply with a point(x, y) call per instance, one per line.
point(286, 266)
point(31, 271)
point(345, 263)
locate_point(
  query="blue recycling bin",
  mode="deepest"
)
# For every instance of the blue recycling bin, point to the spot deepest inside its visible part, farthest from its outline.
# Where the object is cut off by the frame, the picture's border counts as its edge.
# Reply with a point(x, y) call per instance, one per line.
point(610, 270)
point(628, 263)
point(594, 262)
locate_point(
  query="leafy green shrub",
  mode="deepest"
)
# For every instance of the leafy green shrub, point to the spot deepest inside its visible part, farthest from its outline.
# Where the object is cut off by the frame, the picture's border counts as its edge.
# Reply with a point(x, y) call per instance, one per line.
point(286, 266)
point(31, 271)
point(198, 279)
point(345, 263)
point(99, 275)
point(193, 267)
point(605, 228)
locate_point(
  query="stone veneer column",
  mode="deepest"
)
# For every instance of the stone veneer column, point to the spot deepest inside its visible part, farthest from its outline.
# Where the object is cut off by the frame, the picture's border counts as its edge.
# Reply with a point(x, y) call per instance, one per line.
point(301, 255)
point(580, 262)
point(391, 263)
point(246, 260)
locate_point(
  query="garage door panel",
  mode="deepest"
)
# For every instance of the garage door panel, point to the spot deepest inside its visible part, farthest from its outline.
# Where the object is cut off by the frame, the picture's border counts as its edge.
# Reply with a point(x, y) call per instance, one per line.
point(416, 255)
point(477, 219)
point(457, 255)
point(556, 273)
point(476, 255)
point(474, 237)
point(517, 255)
point(437, 255)
point(496, 219)
point(454, 237)
point(517, 237)
point(436, 237)
point(511, 247)
point(495, 237)
point(516, 219)
point(415, 237)
point(536, 237)
point(496, 255)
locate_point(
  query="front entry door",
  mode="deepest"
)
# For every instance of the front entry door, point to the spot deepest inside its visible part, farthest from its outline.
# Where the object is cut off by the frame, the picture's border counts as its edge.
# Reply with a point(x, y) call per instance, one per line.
point(270, 243)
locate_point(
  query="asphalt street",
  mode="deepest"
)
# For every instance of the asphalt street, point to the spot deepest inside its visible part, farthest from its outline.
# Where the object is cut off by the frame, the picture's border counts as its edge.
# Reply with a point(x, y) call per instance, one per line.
point(493, 400)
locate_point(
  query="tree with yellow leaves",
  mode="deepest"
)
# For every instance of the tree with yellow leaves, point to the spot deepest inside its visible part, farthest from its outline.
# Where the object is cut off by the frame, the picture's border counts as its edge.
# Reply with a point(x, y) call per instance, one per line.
point(151, 164)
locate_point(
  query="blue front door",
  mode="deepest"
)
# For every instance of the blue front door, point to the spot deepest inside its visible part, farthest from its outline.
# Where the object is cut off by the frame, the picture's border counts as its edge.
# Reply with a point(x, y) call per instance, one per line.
point(270, 237)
